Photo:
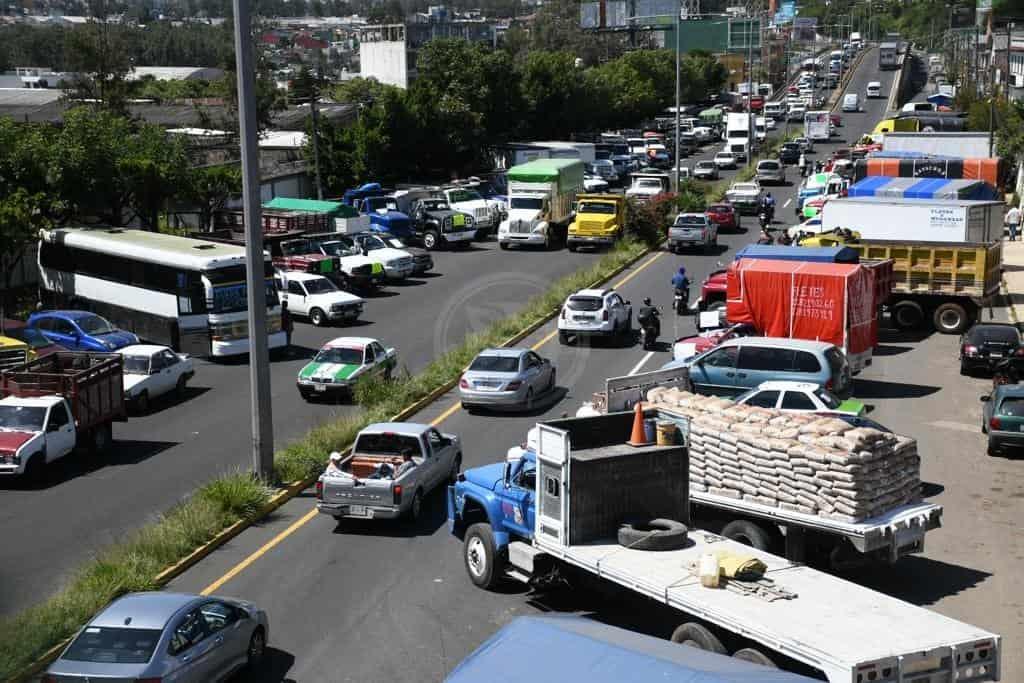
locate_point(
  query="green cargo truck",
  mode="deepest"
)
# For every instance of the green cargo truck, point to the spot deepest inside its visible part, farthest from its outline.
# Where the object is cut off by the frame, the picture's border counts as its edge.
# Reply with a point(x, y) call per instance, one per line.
point(542, 195)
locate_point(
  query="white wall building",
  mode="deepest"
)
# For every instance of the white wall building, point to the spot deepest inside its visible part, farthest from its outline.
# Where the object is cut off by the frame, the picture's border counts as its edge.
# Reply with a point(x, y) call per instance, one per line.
point(384, 54)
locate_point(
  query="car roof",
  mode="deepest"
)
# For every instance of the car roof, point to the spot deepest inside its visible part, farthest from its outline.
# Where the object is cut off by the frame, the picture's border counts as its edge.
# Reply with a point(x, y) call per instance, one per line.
point(71, 315)
point(32, 401)
point(352, 341)
point(504, 352)
point(1012, 390)
point(601, 293)
point(403, 428)
point(787, 385)
point(300, 276)
point(142, 349)
point(150, 610)
point(781, 342)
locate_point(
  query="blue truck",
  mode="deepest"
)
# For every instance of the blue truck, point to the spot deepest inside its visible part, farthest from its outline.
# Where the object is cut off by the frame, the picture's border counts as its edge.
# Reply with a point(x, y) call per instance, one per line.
point(577, 501)
point(372, 200)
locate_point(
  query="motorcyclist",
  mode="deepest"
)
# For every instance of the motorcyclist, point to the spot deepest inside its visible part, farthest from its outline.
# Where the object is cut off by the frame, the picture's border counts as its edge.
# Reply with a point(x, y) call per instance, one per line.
point(679, 280)
point(768, 205)
point(765, 237)
point(649, 318)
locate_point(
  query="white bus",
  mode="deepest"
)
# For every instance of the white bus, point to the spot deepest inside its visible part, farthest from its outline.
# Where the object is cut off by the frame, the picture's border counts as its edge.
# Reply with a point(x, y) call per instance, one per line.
point(188, 294)
point(817, 125)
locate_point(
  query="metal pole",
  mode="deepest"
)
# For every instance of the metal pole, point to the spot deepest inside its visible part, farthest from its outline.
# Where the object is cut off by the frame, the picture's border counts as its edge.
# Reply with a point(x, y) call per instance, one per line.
point(259, 359)
point(679, 11)
point(316, 147)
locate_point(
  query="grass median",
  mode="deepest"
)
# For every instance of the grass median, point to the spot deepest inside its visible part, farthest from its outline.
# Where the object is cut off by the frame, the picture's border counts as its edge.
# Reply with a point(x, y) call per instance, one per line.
point(134, 564)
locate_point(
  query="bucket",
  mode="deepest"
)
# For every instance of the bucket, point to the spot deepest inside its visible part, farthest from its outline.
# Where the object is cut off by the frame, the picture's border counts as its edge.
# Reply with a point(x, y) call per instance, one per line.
point(708, 570)
point(668, 433)
point(650, 430)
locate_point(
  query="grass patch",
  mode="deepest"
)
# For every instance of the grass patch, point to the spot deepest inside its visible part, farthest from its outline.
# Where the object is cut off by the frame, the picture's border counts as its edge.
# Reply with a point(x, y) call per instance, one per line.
point(134, 564)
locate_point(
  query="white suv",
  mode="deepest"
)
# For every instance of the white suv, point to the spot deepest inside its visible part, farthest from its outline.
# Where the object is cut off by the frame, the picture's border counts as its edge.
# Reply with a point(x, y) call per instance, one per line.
point(595, 313)
point(317, 298)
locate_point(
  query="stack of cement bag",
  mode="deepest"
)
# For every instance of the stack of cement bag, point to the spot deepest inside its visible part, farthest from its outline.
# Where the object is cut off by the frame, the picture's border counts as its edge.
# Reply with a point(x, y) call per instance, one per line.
point(795, 461)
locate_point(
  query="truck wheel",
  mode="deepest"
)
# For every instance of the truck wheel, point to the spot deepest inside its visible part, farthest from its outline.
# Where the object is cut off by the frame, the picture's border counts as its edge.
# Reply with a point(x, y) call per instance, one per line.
point(503, 245)
point(483, 563)
point(430, 240)
point(142, 403)
point(698, 636)
point(657, 534)
point(907, 315)
point(34, 469)
point(317, 317)
point(754, 656)
point(101, 438)
point(417, 506)
point(951, 318)
point(748, 533)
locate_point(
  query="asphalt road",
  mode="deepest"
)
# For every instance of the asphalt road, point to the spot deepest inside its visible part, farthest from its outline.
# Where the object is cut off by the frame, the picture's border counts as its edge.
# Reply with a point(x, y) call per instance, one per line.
point(86, 504)
point(384, 602)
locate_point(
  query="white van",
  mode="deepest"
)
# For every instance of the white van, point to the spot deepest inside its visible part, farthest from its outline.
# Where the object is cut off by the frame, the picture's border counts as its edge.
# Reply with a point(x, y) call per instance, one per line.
point(874, 89)
point(851, 102)
point(775, 110)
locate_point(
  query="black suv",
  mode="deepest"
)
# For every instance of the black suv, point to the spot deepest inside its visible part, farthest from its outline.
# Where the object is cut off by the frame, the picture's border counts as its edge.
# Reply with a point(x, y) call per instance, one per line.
point(789, 153)
point(986, 345)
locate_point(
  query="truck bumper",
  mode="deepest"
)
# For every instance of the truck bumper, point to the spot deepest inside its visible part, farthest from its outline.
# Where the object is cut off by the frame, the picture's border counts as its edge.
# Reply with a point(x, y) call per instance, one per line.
point(584, 240)
point(521, 238)
point(463, 236)
point(237, 347)
point(359, 511)
point(11, 470)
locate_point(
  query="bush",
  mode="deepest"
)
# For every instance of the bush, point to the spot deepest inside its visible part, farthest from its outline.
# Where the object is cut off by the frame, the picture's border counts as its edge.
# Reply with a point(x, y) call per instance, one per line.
point(648, 221)
point(691, 197)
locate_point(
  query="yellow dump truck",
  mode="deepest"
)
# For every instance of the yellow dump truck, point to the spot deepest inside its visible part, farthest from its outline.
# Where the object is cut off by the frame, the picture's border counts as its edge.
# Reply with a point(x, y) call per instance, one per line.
point(14, 352)
point(944, 283)
point(600, 220)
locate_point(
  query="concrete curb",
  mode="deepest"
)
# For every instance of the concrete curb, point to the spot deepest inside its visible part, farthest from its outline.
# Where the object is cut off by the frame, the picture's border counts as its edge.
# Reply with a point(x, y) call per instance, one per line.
point(841, 88)
point(295, 488)
point(1011, 308)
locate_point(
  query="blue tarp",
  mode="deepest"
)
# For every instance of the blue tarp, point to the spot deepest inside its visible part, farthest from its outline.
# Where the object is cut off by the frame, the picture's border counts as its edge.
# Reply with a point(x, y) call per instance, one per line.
point(922, 188)
point(784, 253)
point(559, 649)
point(940, 100)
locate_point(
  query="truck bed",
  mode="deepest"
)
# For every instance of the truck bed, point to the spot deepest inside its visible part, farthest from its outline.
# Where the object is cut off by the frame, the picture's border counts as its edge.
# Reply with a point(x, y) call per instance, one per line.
point(941, 268)
point(91, 382)
point(833, 625)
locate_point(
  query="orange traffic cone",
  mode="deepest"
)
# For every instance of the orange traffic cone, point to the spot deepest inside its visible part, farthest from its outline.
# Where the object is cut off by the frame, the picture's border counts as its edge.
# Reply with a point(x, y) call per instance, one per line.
point(638, 438)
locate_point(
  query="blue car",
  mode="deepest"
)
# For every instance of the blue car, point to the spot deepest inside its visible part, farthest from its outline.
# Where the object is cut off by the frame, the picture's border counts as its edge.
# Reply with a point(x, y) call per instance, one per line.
point(81, 331)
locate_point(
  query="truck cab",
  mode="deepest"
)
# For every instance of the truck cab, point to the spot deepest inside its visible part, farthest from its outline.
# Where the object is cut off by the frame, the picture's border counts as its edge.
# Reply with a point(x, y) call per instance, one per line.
point(599, 220)
point(646, 186)
point(35, 431)
point(373, 201)
point(14, 352)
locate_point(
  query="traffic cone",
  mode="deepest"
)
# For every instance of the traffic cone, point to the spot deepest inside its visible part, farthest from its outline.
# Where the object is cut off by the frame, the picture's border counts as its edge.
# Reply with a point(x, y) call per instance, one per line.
point(638, 438)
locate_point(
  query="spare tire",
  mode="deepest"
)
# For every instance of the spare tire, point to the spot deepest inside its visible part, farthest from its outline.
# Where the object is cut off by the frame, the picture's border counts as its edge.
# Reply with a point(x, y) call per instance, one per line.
point(656, 534)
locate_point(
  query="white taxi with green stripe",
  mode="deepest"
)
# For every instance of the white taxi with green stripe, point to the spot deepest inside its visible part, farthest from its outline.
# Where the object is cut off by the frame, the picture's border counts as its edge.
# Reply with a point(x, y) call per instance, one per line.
point(341, 362)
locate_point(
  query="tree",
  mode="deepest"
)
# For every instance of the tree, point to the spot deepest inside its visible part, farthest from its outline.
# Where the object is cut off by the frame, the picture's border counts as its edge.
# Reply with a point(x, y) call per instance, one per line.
point(555, 95)
point(21, 219)
point(97, 54)
point(303, 86)
point(210, 188)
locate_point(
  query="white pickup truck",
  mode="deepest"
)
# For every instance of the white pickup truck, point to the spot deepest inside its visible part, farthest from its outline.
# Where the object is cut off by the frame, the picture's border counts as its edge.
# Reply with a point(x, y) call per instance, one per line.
point(376, 482)
point(317, 298)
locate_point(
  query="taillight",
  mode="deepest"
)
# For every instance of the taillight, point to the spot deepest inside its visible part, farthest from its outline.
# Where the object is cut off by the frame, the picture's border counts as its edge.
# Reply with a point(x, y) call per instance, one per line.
point(563, 314)
point(319, 490)
point(512, 386)
point(396, 491)
point(970, 350)
point(994, 423)
point(463, 384)
point(1019, 352)
point(604, 315)
point(828, 385)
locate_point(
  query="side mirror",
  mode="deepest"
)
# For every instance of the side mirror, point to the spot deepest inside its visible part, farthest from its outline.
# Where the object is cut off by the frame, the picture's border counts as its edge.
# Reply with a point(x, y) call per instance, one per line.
point(506, 475)
point(986, 398)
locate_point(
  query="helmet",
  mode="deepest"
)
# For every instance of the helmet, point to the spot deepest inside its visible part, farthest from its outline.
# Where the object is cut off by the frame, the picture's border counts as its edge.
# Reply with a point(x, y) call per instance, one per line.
point(647, 301)
point(682, 270)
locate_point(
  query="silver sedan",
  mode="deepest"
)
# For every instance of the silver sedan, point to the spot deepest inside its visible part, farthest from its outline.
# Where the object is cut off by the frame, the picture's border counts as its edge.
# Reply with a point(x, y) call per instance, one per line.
point(166, 636)
point(506, 378)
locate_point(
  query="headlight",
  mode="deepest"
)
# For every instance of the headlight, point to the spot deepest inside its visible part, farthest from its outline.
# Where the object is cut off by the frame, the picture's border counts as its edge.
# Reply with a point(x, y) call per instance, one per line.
point(110, 345)
point(392, 264)
point(469, 221)
point(305, 380)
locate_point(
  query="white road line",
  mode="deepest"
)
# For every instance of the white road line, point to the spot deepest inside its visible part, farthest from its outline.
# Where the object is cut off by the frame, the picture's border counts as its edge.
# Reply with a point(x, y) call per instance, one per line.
point(788, 202)
point(636, 368)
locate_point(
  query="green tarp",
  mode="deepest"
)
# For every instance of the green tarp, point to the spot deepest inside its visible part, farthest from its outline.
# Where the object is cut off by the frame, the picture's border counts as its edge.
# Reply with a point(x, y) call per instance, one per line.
point(567, 172)
point(336, 209)
point(712, 115)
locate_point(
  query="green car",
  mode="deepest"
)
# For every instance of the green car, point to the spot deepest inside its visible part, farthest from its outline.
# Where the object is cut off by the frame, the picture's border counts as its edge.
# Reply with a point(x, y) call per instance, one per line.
point(336, 367)
point(1002, 417)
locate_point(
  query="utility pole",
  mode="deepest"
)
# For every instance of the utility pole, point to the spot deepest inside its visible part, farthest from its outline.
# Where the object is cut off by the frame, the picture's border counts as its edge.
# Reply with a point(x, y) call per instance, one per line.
point(255, 280)
point(316, 136)
point(679, 27)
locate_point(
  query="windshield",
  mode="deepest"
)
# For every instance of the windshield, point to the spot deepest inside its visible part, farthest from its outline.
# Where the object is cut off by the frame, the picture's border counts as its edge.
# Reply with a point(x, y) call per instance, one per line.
point(585, 303)
point(387, 444)
point(724, 155)
point(654, 184)
point(372, 243)
point(29, 418)
point(596, 207)
point(382, 203)
point(1005, 335)
point(227, 288)
point(532, 203)
point(719, 208)
point(1012, 407)
point(827, 399)
point(463, 196)
point(339, 248)
point(691, 219)
point(392, 242)
point(94, 324)
point(495, 364)
point(705, 164)
point(320, 285)
point(113, 645)
point(436, 205)
point(136, 365)
point(339, 355)
point(769, 165)
point(30, 336)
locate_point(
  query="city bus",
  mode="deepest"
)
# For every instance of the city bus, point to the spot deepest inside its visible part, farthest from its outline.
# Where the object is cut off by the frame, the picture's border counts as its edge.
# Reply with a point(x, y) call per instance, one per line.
point(185, 293)
point(816, 125)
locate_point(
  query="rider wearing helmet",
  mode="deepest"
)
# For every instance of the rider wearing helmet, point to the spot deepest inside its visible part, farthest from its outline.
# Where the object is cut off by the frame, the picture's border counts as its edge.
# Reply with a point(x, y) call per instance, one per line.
point(648, 316)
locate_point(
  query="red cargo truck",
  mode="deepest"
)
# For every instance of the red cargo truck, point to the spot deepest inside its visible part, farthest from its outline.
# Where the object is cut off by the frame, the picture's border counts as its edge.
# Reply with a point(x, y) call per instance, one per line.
point(55, 404)
point(832, 302)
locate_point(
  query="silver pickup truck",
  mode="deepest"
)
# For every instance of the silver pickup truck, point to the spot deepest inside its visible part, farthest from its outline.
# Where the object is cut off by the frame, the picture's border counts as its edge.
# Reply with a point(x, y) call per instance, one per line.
point(367, 484)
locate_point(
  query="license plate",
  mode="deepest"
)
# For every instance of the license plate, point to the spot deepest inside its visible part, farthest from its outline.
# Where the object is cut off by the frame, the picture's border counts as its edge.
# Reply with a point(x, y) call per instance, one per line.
point(583, 318)
point(996, 355)
point(320, 387)
point(358, 511)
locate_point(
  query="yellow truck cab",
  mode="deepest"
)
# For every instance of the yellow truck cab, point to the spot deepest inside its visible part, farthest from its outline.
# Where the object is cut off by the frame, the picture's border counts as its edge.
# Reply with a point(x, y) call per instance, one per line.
point(904, 125)
point(600, 220)
point(14, 352)
point(829, 239)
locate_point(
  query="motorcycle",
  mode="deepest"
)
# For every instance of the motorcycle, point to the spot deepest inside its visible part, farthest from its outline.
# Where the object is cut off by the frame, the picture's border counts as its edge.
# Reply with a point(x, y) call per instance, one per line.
point(681, 300)
point(649, 331)
point(1005, 372)
point(764, 220)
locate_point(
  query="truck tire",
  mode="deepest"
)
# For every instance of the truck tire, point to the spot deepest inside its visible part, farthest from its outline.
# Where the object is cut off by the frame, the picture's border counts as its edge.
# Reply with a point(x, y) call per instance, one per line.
point(456, 467)
point(657, 534)
point(748, 533)
point(572, 247)
point(484, 564)
point(34, 469)
point(101, 438)
point(503, 245)
point(907, 315)
point(698, 636)
point(430, 240)
point(951, 318)
point(142, 403)
point(317, 317)
point(416, 509)
point(754, 656)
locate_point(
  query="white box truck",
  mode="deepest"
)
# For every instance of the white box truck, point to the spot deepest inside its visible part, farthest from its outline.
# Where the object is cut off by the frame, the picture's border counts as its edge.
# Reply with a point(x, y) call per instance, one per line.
point(916, 220)
point(541, 198)
point(740, 137)
point(584, 151)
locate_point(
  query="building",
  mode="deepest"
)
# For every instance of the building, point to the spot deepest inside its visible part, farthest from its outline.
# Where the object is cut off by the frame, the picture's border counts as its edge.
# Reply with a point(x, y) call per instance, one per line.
point(176, 73)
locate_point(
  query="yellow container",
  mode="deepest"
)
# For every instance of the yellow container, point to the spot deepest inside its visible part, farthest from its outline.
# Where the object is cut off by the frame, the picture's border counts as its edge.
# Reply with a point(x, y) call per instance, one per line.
point(668, 433)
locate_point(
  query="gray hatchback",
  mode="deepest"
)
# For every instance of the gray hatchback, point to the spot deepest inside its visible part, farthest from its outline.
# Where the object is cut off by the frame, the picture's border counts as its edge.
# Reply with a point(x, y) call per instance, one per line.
point(165, 636)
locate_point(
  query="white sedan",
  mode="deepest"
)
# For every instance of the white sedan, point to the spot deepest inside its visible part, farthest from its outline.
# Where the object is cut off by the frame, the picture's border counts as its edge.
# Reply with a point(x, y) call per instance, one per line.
point(799, 397)
point(150, 371)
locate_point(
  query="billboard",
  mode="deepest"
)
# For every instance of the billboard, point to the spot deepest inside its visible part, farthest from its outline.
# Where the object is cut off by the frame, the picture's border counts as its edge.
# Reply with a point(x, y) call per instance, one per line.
point(786, 12)
point(805, 28)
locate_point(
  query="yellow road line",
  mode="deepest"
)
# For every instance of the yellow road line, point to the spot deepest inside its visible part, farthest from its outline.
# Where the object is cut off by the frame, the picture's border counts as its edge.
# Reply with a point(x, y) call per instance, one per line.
point(263, 549)
point(451, 410)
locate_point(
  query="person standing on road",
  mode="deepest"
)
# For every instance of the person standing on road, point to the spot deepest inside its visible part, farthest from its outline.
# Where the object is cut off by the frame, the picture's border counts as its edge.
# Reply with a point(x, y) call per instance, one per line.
point(1013, 222)
point(286, 324)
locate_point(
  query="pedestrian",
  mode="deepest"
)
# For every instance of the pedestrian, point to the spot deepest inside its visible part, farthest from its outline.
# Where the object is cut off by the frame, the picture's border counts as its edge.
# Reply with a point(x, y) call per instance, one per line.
point(286, 324)
point(1013, 222)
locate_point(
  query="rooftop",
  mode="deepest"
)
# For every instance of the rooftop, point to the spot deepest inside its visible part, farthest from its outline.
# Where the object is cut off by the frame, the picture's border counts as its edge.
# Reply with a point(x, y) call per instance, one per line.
point(143, 610)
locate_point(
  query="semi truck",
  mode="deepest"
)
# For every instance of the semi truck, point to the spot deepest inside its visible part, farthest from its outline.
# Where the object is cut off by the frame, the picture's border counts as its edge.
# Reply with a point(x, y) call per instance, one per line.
point(542, 196)
point(740, 136)
point(599, 220)
point(55, 404)
point(548, 518)
point(912, 220)
point(941, 283)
